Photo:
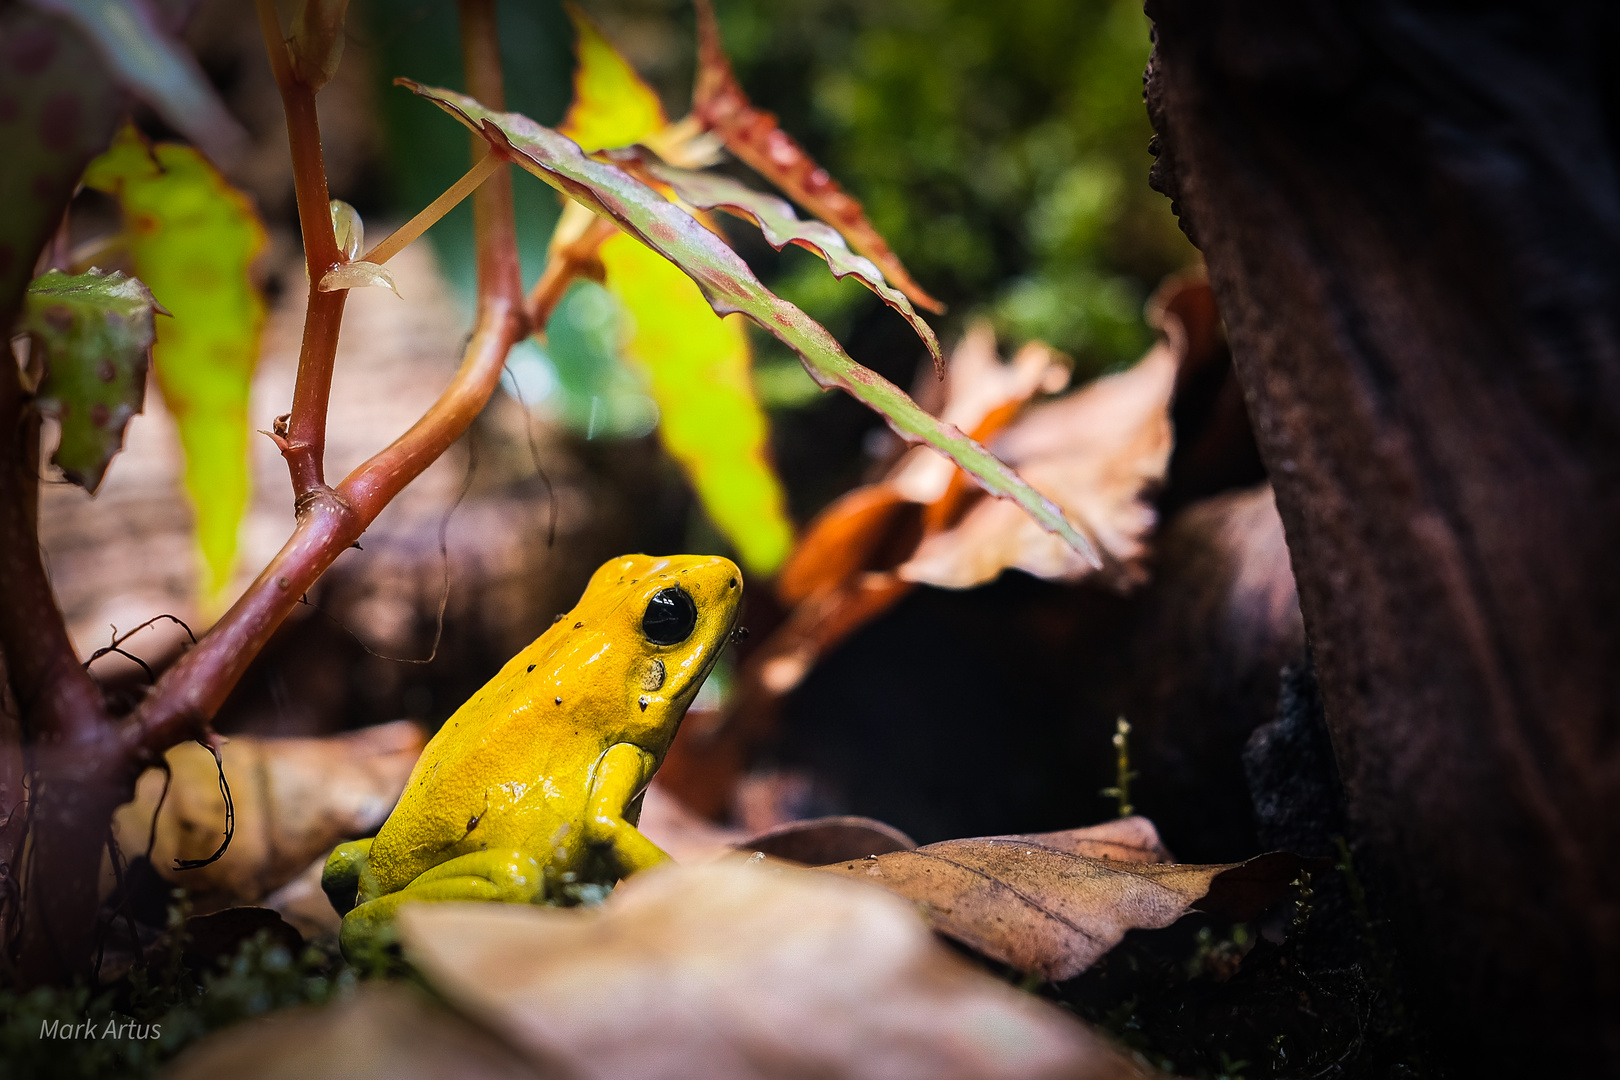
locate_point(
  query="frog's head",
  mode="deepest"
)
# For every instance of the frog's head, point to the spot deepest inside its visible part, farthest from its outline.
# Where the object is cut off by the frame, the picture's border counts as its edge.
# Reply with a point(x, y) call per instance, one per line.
point(642, 638)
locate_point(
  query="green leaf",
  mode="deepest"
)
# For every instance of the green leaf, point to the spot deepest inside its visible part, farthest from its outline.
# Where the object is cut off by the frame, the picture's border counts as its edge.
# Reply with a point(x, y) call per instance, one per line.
point(730, 287)
point(193, 239)
point(96, 332)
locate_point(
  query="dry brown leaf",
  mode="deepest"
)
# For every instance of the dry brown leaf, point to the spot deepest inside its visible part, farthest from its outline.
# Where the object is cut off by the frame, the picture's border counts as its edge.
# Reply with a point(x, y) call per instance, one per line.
point(687, 837)
point(1053, 904)
point(752, 134)
point(1095, 453)
point(839, 576)
point(982, 394)
point(817, 841)
point(840, 542)
point(732, 971)
point(1127, 839)
point(384, 1031)
point(295, 799)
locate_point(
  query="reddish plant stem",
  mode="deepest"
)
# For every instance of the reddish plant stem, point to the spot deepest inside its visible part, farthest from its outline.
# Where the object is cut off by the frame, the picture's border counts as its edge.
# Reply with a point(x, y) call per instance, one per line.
point(493, 216)
point(329, 520)
point(55, 696)
point(77, 774)
point(304, 446)
point(573, 259)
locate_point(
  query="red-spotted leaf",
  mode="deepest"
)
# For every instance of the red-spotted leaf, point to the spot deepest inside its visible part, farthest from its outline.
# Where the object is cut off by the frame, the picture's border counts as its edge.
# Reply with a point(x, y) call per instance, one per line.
point(777, 221)
point(96, 332)
point(1052, 904)
point(753, 135)
point(730, 286)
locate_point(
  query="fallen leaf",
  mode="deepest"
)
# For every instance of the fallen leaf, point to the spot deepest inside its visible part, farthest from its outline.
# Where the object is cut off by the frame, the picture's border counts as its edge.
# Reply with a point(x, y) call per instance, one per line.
point(1096, 453)
point(213, 940)
point(753, 135)
point(1127, 839)
point(732, 971)
point(1051, 904)
point(383, 1031)
point(96, 333)
point(294, 800)
point(841, 542)
point(686, 836)
point(982, 395)
point(841, 575)
point(304, 905)
point(193, 239)
point(818, 841)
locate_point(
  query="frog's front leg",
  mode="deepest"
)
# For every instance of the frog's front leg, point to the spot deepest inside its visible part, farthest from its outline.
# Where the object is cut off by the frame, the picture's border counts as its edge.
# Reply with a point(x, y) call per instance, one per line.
point(507, 875)
point(621, 773)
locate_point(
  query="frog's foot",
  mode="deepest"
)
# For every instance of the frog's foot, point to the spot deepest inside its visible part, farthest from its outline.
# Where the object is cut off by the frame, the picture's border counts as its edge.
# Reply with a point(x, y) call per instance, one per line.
point(507, 876)
point(622, 773)
point(340, 880)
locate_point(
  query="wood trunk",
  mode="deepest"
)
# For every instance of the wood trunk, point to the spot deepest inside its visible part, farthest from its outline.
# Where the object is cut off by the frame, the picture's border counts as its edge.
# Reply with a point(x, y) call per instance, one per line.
point(1411, 215)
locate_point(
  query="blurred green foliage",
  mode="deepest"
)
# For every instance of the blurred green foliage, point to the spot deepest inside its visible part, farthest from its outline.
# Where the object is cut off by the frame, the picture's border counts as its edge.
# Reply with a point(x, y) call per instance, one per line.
point(1001, 148)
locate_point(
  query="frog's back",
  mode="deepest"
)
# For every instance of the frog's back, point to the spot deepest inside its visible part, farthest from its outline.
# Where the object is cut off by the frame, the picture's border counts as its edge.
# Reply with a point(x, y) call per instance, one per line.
point(511, 768)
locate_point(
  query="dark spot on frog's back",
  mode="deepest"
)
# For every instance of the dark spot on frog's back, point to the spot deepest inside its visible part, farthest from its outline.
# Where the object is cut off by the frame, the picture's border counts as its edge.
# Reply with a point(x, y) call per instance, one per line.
point(531, 667)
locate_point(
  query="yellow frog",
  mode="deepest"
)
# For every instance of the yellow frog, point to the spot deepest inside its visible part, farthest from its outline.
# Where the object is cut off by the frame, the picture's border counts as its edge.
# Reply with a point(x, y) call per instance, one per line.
point(536, 781)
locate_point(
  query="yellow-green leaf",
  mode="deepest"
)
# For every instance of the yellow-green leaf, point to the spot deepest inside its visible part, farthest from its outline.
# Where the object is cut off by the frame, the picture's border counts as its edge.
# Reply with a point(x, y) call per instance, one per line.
point(697, 370)
point(612, 105)
point(193, 239)
point(697, 365)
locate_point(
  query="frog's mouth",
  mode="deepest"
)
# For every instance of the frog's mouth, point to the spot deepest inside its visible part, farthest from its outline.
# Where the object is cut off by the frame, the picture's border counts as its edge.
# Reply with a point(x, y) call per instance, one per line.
point(689, 689)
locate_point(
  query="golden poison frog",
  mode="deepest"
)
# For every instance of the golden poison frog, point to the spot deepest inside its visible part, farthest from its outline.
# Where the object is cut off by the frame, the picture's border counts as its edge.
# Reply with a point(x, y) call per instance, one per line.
point(536, 781)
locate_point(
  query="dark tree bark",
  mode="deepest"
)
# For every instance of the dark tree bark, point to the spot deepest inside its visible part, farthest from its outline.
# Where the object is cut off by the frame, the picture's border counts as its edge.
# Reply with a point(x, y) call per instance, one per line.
point(1411, 214)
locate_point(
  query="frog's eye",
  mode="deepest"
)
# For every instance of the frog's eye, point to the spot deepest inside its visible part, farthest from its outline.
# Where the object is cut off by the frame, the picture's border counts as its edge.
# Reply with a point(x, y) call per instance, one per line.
point(671, 617)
